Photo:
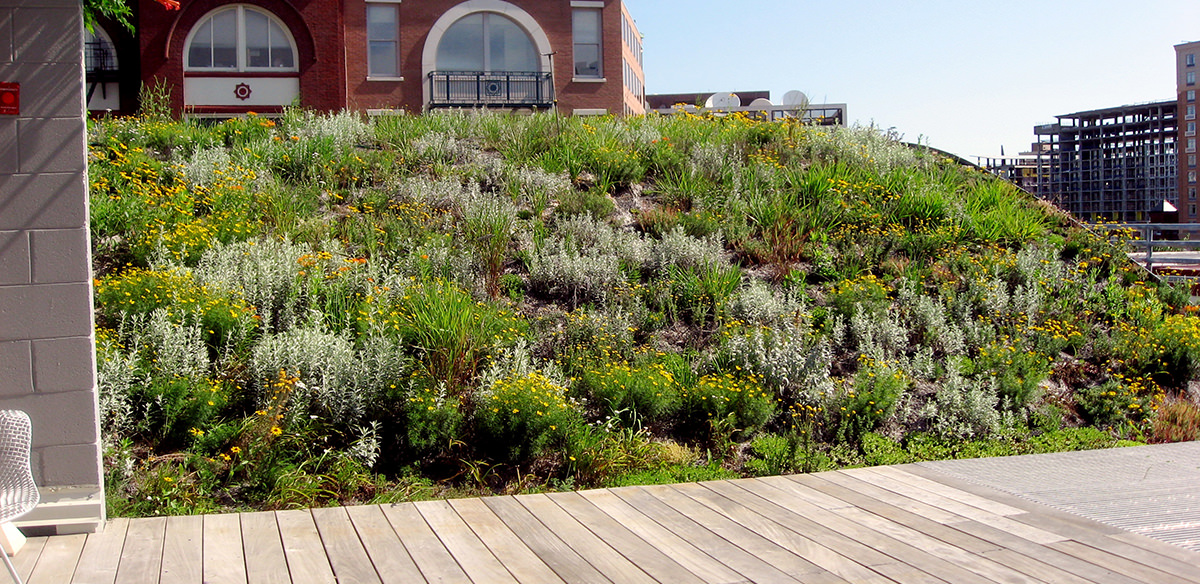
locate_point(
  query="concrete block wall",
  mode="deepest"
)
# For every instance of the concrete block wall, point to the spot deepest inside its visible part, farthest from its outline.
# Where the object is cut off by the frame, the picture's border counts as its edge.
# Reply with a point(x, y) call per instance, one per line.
point(47, 350)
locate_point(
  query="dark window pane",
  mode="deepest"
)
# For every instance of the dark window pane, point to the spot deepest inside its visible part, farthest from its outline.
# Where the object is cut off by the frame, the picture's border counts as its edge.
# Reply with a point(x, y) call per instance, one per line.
point(224, 35)
point(200, 52)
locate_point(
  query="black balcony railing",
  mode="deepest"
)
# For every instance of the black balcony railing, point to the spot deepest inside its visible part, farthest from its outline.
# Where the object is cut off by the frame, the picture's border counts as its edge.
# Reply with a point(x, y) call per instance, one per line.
point(501, 89)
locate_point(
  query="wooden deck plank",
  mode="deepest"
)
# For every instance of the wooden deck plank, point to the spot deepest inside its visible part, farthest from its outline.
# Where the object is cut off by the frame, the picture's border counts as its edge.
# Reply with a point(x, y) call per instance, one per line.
point(752, 567)
point(183, 560)
point(597, 552)
point(791, 494)
point(877, 526)
point(561, 558)
point(472, 555)
point(521, 562)
point(1036, 569)
point(948, 492)
point(769, 527)
point(927, 505)
point(302, 546)
point(383, 546)
point(347, 556)
point(101, 554)
point(427, 552)
point(651, 560)
point(947, 537)
point(224, 555)
point(262, 548)
point(737, 490)
point(933, 506)
point(141, 558)
point(902, 573)
point(1130, 568)
point(811, 496)
point(26, 559)
point(970, 560)
point(1159, 547)
point(58, 559)
point(1068, 525)
point(699, 563)
point(1043, 553)
point(1189, 571)
point(682, 498)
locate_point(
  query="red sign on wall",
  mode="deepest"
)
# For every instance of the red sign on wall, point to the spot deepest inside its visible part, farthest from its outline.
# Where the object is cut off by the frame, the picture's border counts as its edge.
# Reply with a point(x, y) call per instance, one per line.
point(10, 99)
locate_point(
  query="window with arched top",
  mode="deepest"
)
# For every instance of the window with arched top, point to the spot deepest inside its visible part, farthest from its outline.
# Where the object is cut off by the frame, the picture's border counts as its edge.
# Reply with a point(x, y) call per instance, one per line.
point(487, 42)
point(240, 38)
point(99, 52)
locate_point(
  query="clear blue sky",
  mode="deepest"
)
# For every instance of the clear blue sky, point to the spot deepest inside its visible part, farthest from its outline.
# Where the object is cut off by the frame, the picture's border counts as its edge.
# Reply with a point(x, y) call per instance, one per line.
point(968, 76)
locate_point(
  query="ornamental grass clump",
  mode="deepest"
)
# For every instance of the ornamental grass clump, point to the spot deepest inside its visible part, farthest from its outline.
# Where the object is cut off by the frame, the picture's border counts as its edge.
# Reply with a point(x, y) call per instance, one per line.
point(451, 331)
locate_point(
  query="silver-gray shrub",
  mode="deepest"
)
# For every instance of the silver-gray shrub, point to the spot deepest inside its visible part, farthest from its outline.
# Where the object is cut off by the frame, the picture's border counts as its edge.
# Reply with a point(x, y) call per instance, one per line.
point(206, 166)
point(439, 193)
point(861, 146)
point(1039, 264)
point(758, 303)
point(179, 348)
point(678, 249)
point(590, 235)
point(536, 188)
point(790, 360)
point(337, 382)
point(880, 336)
point(442, 148)
point(565, 272)
point(964, 407)
point(439, 258)
point(927, 318)
point(519, 361)
point(714, 160)
point(116, 375)
point(264, 270)
point(344, 128)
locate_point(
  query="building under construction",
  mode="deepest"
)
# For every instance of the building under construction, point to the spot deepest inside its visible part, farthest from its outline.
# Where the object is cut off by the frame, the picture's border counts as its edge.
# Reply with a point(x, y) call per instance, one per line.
point(1115, 163)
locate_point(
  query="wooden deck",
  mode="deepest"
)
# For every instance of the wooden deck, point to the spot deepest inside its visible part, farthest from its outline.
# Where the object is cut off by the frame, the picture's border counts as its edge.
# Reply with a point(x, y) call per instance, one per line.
point(879, 525)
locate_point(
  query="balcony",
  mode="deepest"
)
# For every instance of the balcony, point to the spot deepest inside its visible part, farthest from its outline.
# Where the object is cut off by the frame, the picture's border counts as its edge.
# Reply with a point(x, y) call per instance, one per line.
point(500, 89)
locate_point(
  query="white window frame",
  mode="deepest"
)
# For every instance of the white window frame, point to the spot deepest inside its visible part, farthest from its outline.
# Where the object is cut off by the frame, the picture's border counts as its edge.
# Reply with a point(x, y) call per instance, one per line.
point(1190, 60)
point(598, 9)
point(396, 76)
point(1190, 78)
point(240, 39)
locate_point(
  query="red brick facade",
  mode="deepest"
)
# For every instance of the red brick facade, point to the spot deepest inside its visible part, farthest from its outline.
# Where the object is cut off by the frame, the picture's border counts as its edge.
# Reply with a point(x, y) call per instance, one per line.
point(331, 47)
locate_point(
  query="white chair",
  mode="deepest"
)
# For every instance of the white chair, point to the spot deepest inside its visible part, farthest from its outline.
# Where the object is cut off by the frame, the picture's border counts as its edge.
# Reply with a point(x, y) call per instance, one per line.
point(18, 493)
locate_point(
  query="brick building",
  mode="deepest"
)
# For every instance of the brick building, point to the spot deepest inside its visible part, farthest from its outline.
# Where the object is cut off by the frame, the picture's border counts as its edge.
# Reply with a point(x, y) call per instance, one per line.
point(1185, 84)
point(221, 57)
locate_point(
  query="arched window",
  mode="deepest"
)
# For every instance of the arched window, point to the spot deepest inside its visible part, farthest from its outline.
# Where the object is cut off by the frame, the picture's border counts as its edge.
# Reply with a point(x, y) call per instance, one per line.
point(100, 54)
point(240, 38)
point(487, 42)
